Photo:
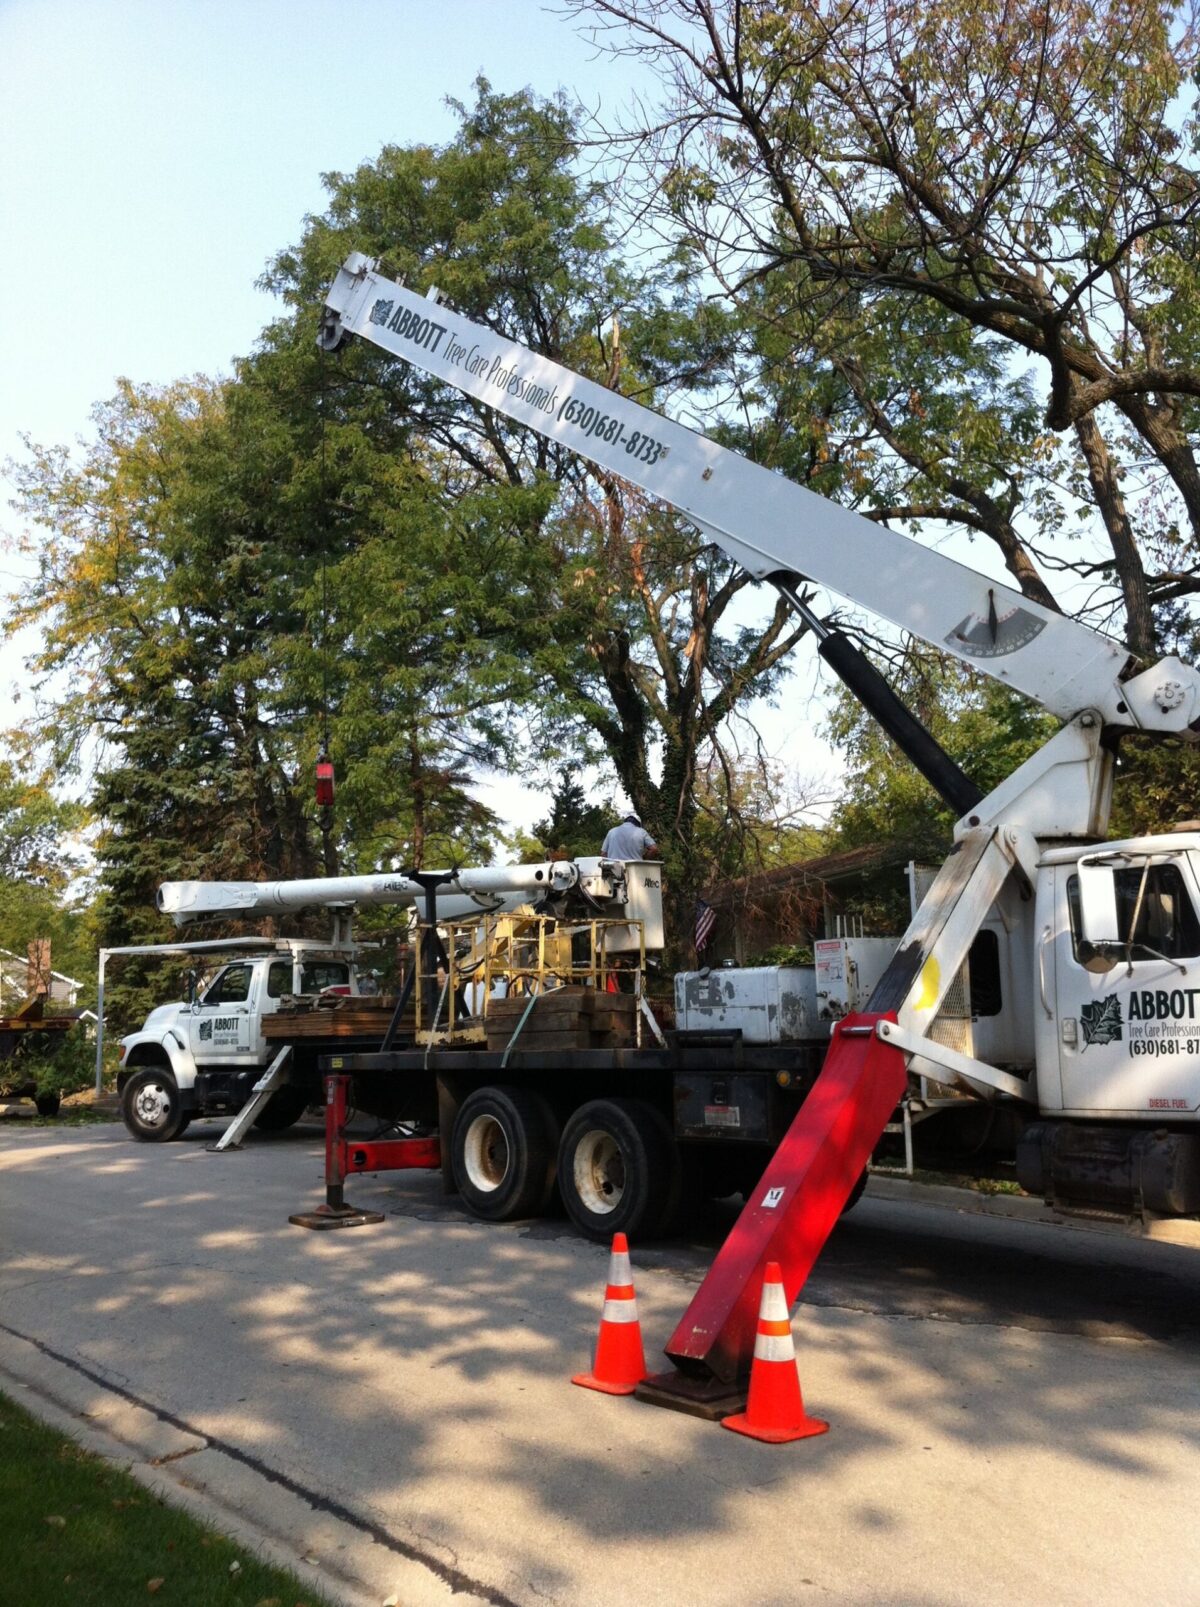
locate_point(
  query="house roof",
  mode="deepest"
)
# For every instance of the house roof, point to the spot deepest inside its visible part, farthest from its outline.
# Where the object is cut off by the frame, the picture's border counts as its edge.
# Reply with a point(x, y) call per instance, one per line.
point(807, 875)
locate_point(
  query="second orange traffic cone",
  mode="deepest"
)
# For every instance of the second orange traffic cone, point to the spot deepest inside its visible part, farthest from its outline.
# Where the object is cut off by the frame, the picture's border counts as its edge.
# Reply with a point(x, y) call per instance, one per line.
point(774, 1410)
point(620, 1363)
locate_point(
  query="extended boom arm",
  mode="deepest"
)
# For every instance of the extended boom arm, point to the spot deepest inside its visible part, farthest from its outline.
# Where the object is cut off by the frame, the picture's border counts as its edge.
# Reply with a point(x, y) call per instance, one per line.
point(764, 522)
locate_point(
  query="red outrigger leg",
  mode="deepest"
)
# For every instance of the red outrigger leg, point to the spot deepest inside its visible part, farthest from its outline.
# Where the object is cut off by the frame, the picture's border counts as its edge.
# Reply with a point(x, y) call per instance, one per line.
point(344, 1155)
point(787, 1219)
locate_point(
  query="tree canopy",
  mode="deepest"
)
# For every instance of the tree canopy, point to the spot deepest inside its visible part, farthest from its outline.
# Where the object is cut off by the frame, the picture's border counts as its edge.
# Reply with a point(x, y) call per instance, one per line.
point(997, 182)
point(344, 548)
point(938, 266)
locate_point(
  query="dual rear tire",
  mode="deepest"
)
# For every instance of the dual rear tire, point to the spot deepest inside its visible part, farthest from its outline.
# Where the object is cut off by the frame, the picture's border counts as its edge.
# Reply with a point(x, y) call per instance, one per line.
point(284, 1109)
point(615, 1162)
point(618, 1168)
point(502, 1153)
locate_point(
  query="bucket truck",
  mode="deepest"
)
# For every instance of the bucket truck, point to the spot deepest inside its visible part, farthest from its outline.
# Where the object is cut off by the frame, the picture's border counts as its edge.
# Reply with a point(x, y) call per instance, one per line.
point(1083, 955)
point(208, 1054)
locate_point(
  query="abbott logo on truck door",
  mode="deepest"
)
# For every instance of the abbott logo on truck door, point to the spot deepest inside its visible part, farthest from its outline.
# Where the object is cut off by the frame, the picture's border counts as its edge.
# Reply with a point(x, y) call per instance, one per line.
point(220, 1030)
point(1101, 1021)
point(1150, 1021)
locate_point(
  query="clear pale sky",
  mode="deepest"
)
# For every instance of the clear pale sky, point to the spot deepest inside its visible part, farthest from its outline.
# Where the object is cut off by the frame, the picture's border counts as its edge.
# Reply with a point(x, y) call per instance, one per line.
point(156, 154)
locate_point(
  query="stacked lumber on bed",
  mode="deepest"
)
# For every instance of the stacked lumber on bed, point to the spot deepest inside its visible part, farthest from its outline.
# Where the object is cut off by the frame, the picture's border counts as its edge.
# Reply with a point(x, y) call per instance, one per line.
point(348, 1016)
point(564, 1019)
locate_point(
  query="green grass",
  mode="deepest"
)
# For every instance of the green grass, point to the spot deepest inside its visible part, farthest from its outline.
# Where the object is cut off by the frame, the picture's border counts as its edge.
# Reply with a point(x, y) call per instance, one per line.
point(78, 1529)
point(954, 1180)
point(75, 1116)
point(68, 1116)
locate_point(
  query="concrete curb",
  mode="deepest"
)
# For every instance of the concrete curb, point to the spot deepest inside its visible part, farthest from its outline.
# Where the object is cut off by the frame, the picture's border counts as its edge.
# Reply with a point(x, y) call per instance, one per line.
point(185, 1470)
point(1183, 1231)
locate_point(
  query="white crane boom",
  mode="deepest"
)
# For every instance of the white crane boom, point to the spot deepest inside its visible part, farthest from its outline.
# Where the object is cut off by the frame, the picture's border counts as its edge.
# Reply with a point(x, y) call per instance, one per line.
point(766, 523)
point(478, 888)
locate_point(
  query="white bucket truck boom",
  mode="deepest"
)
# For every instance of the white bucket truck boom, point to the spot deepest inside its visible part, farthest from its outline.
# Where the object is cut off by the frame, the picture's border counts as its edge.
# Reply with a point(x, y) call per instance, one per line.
point(1084, 956)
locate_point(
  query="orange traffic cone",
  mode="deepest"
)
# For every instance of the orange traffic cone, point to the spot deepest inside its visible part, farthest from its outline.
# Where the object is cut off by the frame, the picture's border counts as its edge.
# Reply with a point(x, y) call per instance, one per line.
point(774, 1411)
point(620, 1363)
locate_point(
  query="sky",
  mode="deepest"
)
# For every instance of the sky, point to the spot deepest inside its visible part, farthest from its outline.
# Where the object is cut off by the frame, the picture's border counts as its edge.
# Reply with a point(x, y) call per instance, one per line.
point(158, 153)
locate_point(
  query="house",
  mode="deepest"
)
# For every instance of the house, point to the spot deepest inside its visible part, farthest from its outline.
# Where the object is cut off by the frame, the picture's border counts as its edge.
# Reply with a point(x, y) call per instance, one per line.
point(859, 890)
point(15, 989)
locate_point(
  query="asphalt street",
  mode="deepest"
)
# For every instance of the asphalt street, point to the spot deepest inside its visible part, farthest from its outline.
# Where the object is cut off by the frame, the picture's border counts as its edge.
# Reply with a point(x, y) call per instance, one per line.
point(1015, 1408)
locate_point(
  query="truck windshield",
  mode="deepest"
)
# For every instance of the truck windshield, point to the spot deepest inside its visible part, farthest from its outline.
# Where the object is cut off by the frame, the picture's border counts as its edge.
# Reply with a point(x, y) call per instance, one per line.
point(317, 975)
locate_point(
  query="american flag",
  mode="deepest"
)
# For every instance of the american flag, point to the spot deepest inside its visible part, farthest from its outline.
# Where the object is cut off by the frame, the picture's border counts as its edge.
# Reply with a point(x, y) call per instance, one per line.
point(706, 919)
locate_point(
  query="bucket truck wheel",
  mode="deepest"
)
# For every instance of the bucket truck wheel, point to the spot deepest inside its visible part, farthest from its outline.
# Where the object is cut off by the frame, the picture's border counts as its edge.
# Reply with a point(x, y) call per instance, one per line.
point(502, 1153)
point(284, 1109)
point(150, 1106)
point(617, 1168)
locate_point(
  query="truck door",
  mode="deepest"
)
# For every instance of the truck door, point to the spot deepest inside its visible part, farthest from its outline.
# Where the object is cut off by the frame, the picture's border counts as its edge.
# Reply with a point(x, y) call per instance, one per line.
point(1128, 1018)
point(221, 1020)
point(278, 984)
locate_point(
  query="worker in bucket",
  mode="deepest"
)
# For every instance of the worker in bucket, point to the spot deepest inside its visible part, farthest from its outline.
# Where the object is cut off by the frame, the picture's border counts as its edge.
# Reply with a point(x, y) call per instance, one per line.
point(629, 839)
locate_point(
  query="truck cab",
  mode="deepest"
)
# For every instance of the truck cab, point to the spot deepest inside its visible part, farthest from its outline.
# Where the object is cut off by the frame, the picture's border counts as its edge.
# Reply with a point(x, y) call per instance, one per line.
point(202, 1056)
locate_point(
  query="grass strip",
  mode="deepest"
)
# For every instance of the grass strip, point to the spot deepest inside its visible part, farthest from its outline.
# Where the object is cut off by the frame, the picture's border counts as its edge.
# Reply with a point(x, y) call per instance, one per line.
point(79, 1529)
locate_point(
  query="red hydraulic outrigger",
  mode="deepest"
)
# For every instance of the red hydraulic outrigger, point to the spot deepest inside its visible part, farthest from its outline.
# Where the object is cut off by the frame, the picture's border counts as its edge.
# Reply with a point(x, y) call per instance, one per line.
point(345, 1156)
point(791, 1213)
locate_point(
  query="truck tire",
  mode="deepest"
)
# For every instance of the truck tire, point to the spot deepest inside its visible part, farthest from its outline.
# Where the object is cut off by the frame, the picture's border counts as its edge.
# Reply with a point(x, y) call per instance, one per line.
point(151, 1108)
point(502, 1153)
point(618, 1168)
point(284, 1109)
point(47, 1104)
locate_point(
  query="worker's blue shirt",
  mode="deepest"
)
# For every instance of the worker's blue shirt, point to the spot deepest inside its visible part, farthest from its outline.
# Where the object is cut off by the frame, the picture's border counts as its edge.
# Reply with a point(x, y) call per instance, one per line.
point(627, 841)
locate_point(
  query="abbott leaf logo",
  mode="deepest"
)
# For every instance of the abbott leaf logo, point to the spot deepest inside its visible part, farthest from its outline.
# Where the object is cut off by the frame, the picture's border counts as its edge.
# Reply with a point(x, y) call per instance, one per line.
point(205, 1031)
point(381, 312)
point(1102, 1021)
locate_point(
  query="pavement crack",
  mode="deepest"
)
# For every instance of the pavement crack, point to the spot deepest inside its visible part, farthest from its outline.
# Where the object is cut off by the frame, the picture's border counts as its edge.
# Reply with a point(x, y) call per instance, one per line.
point(177, 1456)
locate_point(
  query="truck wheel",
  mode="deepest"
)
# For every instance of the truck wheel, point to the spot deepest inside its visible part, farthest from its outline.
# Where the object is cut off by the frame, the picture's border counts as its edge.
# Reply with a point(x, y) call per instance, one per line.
point(47, 1104)
point(284, 1109)
point(502, 1153)
point(617, 1168)
point(150, 1106)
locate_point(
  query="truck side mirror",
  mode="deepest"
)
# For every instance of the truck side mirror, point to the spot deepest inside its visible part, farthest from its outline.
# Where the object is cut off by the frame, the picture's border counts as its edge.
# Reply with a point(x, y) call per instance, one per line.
point(1098, 921)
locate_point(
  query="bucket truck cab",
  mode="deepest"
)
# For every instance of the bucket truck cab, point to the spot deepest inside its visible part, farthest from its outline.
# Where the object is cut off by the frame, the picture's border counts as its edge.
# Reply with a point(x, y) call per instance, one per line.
point(1117, 1026)
point(202, 1056)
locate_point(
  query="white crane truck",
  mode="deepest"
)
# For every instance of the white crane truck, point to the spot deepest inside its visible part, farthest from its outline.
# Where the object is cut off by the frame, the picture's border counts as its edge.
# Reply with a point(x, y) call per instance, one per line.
point(1091, 948)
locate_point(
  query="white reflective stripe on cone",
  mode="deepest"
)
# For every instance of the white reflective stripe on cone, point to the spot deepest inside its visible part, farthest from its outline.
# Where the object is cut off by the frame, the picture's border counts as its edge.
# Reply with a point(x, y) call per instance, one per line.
point(774, 1347)
point(619, 1311)
point(774, 1307)
point(619, 1270)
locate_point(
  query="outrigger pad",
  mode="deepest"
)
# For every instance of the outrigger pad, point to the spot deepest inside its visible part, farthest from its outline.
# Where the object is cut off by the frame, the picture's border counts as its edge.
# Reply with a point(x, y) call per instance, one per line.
point(709, 1398)
point(336, 1216)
